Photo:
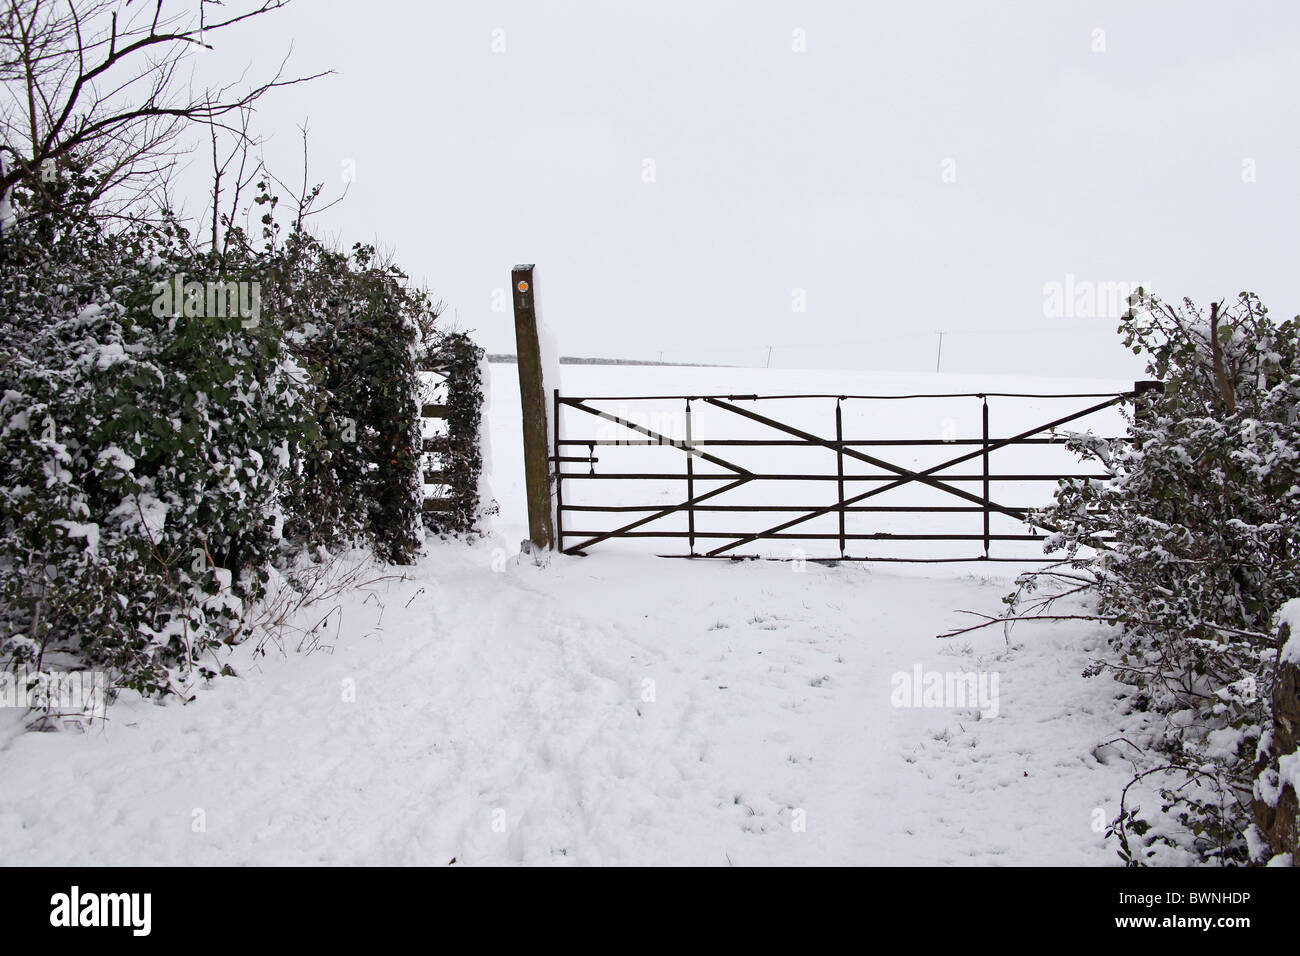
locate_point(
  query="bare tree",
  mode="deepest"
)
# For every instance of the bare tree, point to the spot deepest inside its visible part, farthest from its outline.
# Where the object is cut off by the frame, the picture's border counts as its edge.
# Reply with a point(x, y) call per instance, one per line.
point(102, 84)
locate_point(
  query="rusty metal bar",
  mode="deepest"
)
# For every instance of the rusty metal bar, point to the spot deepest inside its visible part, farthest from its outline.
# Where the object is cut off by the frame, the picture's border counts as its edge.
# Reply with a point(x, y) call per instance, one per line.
point(796, 443)
point(899, 509)
point(690, 477)
point(839, 457)
point(891, 560)
point(705, 476)
point(872, 398)
point(559, 479)
point(827, 536)
point(985, 401)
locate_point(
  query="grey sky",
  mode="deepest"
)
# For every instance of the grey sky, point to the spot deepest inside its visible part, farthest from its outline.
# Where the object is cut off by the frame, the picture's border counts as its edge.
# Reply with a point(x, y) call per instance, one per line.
point(823, 170)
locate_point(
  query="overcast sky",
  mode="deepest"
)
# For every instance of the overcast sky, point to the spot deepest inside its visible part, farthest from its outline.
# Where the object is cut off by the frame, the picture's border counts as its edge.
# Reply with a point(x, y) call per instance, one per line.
point(911, 167)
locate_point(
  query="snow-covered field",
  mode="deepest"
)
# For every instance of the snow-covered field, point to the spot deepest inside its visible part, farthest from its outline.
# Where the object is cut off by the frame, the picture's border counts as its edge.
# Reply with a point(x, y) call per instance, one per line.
point(615, 708)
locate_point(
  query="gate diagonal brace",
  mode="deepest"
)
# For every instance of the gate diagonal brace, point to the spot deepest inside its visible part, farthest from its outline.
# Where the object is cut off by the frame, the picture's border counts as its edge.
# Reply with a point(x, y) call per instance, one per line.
point(672, 509)
point(908, 476)
point(686, 447)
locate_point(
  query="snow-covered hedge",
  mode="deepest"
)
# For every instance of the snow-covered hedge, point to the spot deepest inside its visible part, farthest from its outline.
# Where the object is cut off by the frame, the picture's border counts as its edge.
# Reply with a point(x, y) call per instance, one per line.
point(1197, 538)
point(357, 327)
point(142, 454)
point(462, 367)
point(162, 447)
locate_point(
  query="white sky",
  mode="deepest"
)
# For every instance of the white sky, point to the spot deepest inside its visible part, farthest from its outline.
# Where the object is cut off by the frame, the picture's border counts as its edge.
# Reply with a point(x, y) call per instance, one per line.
point(822, 170)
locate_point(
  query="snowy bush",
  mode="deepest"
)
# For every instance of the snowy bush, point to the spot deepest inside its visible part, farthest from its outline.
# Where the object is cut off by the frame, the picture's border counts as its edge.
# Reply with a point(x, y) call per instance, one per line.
point(143, 451)
point(1197, 545)
point(181, 418)
point(355, 327)
point(165, 446)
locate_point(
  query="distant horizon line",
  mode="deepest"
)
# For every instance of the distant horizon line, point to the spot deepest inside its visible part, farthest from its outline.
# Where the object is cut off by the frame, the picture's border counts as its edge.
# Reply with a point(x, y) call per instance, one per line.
point(509, 358)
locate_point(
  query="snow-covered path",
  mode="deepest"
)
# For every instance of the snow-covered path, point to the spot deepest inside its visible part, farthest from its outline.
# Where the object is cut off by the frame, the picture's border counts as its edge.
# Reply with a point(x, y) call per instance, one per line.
point(613, 709)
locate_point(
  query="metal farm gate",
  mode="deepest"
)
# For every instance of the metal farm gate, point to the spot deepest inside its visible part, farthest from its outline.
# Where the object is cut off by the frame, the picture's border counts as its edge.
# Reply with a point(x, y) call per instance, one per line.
point(845, 477)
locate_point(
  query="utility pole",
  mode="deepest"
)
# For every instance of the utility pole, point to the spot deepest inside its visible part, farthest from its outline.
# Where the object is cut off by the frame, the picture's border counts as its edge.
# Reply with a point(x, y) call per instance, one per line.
point(769, 355)
point(938, 358)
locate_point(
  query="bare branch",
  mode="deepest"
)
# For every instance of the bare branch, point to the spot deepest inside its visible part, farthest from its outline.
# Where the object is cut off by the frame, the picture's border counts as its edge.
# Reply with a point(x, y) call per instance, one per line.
point(98, 84)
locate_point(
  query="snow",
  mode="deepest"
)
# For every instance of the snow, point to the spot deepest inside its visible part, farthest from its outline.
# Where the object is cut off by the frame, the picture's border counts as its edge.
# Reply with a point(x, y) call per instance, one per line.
point(526, 691)
point(618, 708)
point(144, 512)
point(1288, 771)
point(117, 458)
point(110, 354)
point(7, 218)
point(1290, 615)
point(1223, 744)
point(77, 529)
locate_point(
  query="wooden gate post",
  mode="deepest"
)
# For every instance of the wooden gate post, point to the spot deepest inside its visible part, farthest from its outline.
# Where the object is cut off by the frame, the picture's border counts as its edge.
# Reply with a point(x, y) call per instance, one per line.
point(1141, 411)
point(532, 396)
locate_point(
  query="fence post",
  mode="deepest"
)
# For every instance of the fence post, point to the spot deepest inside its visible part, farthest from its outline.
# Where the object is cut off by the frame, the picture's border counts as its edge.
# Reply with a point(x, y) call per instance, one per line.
point(1140, 407)
point(690, 479)
point(532, 397)
point(985, 399)
point(839, 455)
point(558, 474)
